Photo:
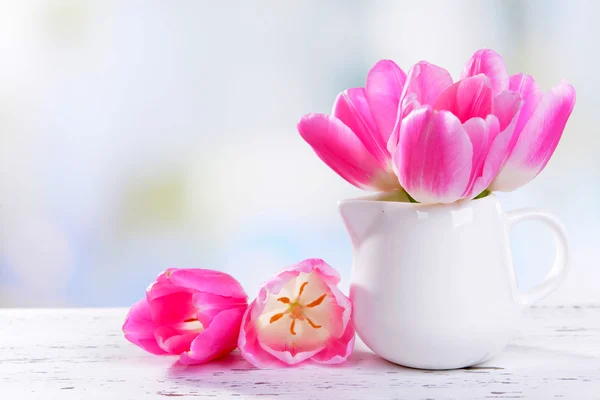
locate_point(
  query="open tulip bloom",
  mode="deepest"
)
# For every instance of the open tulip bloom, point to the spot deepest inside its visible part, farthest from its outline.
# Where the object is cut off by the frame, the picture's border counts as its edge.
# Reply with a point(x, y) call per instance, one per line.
point(438, 140)
point(299, 314)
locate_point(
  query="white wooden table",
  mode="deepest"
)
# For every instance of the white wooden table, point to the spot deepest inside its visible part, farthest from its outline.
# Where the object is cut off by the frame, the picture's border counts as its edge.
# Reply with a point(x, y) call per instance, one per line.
point(81, 354)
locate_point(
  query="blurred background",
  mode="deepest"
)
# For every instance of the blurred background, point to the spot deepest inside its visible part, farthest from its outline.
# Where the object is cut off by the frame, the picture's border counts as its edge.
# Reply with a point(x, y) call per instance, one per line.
point(141, 135)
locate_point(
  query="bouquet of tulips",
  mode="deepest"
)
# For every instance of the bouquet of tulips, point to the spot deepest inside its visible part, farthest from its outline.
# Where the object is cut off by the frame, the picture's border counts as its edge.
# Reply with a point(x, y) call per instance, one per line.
point(438, 140)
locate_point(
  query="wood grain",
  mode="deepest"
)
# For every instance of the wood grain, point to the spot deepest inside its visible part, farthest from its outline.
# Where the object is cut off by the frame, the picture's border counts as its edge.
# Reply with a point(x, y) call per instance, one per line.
point(81, 354)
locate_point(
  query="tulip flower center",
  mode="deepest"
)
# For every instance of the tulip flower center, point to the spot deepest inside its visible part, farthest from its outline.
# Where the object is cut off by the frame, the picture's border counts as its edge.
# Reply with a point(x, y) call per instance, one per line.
point(296, 310)
point(301, 315)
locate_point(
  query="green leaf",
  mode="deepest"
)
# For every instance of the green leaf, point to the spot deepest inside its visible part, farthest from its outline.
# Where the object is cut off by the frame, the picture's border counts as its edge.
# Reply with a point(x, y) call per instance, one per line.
point(482, 194)
point(410, 198)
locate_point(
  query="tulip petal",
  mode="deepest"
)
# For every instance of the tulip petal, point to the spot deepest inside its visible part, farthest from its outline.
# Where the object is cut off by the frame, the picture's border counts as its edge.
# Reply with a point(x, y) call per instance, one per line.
point(434, 156)
point(217, 340)
point(489, 151)
point(392, 143)
point(163, 277)
point(172, 340)
point(339, 312)
point(352, 109)
point(338, 349)
point(343, 152)
point(341, 344)
point(468, 98)
point(385, 82)
point(210, 305)
point(538, 140)
point(278, 283)
point(425, 82)
point(500, 140)
point(288, 358)
point(508, 105)
point(139, 328)
point(170, 308)
point(248, 343)
point(526, 86)
point(162, 287)
point(491, 64)
point(479, 131)
point(326, 272)
point(208, 281)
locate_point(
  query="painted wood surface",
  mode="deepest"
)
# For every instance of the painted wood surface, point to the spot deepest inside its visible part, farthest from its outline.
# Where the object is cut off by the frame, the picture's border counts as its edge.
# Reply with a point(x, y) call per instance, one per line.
point(81, 354)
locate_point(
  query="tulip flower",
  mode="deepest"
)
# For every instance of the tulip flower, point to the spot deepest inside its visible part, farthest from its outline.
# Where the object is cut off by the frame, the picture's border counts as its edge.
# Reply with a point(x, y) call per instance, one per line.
point(353, 140)
point(487, 131)
point(453, 141)
point(539, 129)
point(299, 314)
point(194, 313)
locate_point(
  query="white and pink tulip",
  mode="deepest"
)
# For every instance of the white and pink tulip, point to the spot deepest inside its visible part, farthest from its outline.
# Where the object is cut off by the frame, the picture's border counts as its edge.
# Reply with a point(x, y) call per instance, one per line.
point(299, 314)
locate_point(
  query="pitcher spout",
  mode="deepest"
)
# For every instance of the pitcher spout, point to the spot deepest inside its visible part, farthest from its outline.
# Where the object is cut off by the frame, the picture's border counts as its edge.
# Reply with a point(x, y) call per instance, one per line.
point(361, 218)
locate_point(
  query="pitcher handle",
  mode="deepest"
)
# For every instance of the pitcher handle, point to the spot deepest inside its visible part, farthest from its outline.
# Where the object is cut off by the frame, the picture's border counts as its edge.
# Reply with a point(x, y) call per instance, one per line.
point(560, 269)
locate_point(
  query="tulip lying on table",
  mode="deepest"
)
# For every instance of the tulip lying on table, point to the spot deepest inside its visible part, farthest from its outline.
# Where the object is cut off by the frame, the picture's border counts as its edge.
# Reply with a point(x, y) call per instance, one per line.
point(441, 141)
point(299, 314)
point(194, 313)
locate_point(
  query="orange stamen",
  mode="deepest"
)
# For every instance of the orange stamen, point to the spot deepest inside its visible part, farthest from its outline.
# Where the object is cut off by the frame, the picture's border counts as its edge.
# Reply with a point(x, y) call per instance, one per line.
point(316, 302)
point(295, 310)
point(302, 289)
point(312, 324)
point(275, 317)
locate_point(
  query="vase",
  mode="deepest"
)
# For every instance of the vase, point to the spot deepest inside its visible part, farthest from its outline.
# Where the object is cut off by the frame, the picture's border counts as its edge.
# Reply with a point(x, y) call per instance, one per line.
point(433, 285)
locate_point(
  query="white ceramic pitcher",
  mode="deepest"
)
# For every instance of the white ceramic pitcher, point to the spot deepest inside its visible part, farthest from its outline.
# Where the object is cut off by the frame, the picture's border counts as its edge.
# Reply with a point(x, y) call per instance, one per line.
point(433, 286)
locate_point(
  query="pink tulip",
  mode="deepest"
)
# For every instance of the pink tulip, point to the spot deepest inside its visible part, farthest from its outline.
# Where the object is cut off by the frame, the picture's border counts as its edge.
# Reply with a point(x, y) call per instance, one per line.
point(450, 141)
point(486, 131)
point(353, 140)
point(195, 313)
point(299, 314)
point(538, 131)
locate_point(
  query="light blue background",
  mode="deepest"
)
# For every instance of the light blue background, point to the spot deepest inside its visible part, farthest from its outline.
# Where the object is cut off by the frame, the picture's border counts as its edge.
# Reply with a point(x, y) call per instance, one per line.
point(137, 136)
